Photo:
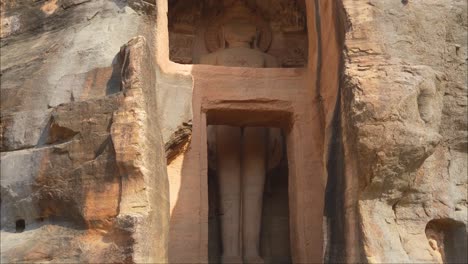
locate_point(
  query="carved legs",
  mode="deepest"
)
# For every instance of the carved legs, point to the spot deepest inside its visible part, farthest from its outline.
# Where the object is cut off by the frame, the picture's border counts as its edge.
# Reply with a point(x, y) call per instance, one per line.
point(253, 178)
point(241, 171)
point(228, 141)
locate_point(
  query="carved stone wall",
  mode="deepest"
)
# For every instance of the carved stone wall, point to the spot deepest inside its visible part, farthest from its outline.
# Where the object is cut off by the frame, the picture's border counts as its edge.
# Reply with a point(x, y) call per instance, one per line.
point(404, 101)
point(83, 171)
point(285, 98)
point(190, 20)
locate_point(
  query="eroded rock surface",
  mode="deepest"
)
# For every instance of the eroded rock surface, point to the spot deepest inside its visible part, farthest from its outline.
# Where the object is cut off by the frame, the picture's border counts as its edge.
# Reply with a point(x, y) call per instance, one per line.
point(90, 117)
point(404, 108)
point(67, 194)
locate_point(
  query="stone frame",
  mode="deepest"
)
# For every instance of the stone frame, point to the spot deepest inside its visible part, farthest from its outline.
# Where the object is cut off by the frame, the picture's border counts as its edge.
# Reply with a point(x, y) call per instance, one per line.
point(285, 92)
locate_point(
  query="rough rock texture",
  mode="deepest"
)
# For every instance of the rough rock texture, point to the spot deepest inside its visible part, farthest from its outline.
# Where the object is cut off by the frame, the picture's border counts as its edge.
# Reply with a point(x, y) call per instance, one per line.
point(83, 176)
point(404, 123)
point(140, 155)
point(58, 58)
point(91, 115)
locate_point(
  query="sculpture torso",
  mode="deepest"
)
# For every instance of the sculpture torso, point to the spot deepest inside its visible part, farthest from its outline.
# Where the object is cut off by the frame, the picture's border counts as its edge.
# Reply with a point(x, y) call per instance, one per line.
point(238, 37)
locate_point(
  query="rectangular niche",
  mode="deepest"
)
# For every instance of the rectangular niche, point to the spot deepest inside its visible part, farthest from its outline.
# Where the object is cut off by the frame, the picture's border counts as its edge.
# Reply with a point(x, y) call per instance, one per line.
point(274, 239)
point(269, 34)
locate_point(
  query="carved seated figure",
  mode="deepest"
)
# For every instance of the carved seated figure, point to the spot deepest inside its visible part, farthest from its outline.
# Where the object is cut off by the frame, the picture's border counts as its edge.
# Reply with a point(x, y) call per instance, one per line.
point(239, 35)
point(241, 153)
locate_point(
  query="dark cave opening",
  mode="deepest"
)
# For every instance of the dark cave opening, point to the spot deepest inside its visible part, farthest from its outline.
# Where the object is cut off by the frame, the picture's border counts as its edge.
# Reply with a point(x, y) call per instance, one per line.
point(20, 225)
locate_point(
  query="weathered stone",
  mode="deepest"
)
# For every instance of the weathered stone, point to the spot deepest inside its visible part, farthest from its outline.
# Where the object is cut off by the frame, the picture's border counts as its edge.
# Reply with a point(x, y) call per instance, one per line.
point(104, 154)
point(178, 142)
point(397, 94)
point(60, 91)
point(22, 130)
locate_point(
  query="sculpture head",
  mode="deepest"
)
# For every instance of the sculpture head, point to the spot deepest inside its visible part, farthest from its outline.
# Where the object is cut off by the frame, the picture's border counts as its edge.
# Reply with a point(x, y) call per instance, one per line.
point(238, 26)
point(238, 29)
point(239, 33)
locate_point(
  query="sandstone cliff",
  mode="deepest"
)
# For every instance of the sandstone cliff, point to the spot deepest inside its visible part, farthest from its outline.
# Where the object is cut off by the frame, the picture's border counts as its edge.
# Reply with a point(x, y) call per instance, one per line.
point(75, 111)
point(88, 117)
point(404, 99)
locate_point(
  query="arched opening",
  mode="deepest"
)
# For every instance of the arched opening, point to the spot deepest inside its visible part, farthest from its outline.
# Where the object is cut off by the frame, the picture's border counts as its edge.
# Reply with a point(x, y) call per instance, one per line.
point(448, 239)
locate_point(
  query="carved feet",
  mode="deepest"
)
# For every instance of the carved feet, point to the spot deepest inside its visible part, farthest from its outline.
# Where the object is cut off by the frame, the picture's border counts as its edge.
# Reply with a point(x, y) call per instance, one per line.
point(239, 260)
point(253, 260)
point(231, 260)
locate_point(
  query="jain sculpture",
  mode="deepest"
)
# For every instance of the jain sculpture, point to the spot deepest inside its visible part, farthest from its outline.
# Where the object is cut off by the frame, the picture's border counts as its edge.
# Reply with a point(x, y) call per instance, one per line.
point(241, 153)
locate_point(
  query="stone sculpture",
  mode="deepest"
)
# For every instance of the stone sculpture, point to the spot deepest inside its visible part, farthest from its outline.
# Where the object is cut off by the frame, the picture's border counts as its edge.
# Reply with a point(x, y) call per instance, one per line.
point(241, 152)
point(242, 41)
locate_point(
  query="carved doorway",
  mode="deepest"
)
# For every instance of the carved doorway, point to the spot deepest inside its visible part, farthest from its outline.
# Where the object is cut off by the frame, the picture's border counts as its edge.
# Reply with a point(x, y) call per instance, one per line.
point(275, 232)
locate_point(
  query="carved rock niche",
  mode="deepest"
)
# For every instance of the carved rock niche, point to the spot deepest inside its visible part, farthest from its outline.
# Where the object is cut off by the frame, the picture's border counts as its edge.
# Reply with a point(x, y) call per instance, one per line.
point(448, 240)
point(273, 234)
point(196, 29)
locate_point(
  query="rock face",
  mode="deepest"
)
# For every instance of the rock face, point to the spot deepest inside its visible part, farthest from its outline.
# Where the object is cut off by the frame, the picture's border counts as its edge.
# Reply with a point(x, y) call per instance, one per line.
point(99, 163)
point(77, 136)
point(404, 99)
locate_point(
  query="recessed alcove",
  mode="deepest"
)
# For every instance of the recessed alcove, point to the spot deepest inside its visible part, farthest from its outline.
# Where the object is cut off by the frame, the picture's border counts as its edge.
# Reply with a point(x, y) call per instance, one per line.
point(196, 29)
point(274, 239)
point(274, 232)
point(250, 98)
point(247, 95)
point(448, 239)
